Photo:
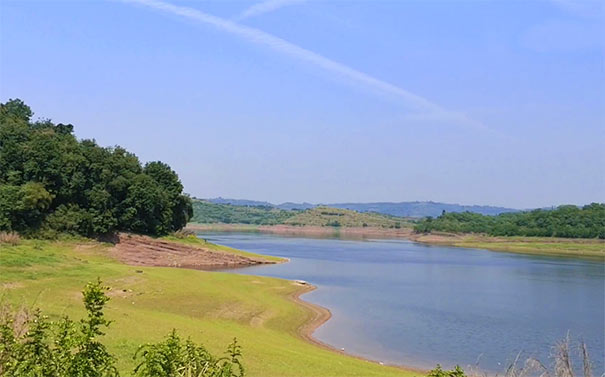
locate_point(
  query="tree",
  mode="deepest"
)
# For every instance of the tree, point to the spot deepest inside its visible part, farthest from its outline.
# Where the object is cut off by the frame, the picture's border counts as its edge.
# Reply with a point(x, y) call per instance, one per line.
point(50, 181)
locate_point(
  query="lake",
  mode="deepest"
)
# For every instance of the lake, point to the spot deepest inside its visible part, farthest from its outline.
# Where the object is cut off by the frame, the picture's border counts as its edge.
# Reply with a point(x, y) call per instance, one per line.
point(406, 303)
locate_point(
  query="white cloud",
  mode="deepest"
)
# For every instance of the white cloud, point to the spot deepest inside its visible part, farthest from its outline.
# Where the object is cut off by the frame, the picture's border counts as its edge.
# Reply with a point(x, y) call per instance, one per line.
point(282, 46)
point(265, 7)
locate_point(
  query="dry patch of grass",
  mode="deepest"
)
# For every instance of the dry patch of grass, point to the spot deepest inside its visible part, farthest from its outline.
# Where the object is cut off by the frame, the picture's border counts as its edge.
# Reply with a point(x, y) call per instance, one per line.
point(10, 238)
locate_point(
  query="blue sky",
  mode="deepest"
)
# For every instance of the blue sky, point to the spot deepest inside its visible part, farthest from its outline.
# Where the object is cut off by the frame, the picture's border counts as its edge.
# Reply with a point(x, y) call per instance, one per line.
point(475, 102)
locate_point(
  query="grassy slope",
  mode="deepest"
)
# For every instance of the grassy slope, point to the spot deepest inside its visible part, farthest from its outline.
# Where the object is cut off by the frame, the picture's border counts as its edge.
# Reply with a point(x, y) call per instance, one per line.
point(591, 248)
point(210, 307)
point(324, 216)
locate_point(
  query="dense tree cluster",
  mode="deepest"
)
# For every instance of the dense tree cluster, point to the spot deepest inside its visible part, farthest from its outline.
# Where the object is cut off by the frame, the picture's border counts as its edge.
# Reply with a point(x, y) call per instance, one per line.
point(205, 212)
point(50, 182)
point(565, 221)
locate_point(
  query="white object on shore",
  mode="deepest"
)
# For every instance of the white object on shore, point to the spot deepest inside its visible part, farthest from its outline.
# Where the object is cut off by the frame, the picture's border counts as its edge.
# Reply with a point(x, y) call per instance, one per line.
point(301, 282)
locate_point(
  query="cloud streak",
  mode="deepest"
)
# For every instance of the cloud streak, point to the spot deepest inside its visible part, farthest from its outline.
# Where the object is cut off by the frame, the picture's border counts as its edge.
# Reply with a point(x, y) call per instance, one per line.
point(265, 7)
point(284, 47)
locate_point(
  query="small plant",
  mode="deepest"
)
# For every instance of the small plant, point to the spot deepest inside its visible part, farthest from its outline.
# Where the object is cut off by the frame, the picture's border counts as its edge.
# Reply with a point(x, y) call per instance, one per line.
point(9, 238)
point(177, 358)
point(30, 345)
point(33, 346)
point(439, 372)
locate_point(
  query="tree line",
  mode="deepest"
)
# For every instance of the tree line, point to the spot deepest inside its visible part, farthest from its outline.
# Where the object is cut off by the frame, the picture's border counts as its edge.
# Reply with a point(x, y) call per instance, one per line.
point(51, 182)
point(205, 212)
point(566, 221)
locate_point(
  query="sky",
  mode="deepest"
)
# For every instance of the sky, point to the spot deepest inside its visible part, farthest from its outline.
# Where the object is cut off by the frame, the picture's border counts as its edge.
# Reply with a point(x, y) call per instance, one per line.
point(472, 102)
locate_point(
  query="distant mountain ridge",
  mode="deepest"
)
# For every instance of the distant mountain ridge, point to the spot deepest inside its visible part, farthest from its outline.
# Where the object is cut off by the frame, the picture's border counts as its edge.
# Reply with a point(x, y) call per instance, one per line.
point(400, 209)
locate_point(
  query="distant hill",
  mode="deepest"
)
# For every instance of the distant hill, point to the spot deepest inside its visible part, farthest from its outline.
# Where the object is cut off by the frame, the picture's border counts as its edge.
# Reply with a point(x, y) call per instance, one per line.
point(206, 212)
point(401, 209)
point(421, 209)
point(240, 202)
point(328, 216)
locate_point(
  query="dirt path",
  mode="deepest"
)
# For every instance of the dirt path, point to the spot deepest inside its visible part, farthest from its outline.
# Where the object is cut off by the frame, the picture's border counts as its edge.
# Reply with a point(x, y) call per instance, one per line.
point(140, 250)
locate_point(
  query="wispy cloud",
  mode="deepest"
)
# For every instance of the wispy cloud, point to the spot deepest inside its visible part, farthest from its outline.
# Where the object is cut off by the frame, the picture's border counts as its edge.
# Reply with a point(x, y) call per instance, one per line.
point(260, 37)
point(265, 7)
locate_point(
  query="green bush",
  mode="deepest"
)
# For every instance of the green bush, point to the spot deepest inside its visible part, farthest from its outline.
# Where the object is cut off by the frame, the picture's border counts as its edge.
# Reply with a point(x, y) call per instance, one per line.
point(439, 372)
point(33, 346)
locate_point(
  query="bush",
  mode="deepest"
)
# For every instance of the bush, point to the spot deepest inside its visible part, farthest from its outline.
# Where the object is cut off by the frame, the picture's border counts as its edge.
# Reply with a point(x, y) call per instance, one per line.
point(33, 346)
point(439, 372)
point(177, 358)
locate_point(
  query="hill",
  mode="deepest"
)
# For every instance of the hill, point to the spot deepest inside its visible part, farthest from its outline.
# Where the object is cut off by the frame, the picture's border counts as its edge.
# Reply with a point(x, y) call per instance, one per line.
point(421, 209)
point(399, 209)
point(205, 212)
point(337, 217)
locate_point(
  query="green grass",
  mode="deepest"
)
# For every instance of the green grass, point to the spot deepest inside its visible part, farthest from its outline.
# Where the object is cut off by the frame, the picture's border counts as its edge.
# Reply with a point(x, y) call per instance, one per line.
point(211, 307)
point(590, 248)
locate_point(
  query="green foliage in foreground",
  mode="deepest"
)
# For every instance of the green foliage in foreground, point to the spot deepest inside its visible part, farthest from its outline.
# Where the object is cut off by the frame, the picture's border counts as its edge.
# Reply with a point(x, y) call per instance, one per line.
point(565, 221)
point(50, 182)
point(210, 213)
point(439, 372)
point(33, 346)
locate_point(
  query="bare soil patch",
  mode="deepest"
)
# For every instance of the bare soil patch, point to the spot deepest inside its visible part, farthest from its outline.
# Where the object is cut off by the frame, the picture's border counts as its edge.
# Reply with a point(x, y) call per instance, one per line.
point(140, 250)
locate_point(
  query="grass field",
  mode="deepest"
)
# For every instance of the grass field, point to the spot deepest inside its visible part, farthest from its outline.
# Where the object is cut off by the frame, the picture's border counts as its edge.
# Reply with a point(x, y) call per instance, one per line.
point(148, 302)
point(573, 247)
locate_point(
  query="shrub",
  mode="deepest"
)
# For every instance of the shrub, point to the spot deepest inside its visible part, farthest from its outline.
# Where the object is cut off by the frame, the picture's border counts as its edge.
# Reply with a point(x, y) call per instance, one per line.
point(33, 346)
point(439, 372)
point(177, 358)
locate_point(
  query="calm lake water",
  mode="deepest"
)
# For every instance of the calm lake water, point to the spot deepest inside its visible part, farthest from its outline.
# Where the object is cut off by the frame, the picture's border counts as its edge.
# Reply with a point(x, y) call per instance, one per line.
point(406, 303)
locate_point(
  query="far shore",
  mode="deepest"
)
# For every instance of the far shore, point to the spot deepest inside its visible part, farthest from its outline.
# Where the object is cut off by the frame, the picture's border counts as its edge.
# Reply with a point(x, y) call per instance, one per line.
point(568, 247)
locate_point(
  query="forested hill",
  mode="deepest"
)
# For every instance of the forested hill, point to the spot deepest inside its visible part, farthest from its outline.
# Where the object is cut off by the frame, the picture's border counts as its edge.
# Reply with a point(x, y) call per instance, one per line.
point(565, 221)
point(205, 212)
point(52, 183)
point(399, 209)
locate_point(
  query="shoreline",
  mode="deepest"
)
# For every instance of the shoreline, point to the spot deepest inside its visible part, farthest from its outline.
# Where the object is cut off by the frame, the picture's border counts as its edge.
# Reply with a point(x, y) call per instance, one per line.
point(541, 246)
point(319, 316)
point(179, 252)
point(307, 231)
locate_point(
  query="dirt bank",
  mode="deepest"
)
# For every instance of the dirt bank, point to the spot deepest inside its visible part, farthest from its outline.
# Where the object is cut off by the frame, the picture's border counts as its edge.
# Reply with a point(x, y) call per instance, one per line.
point(140, 250)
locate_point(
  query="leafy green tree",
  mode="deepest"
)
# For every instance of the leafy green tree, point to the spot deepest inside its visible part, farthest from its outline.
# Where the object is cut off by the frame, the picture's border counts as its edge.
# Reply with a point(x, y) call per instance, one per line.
point(50, 182)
